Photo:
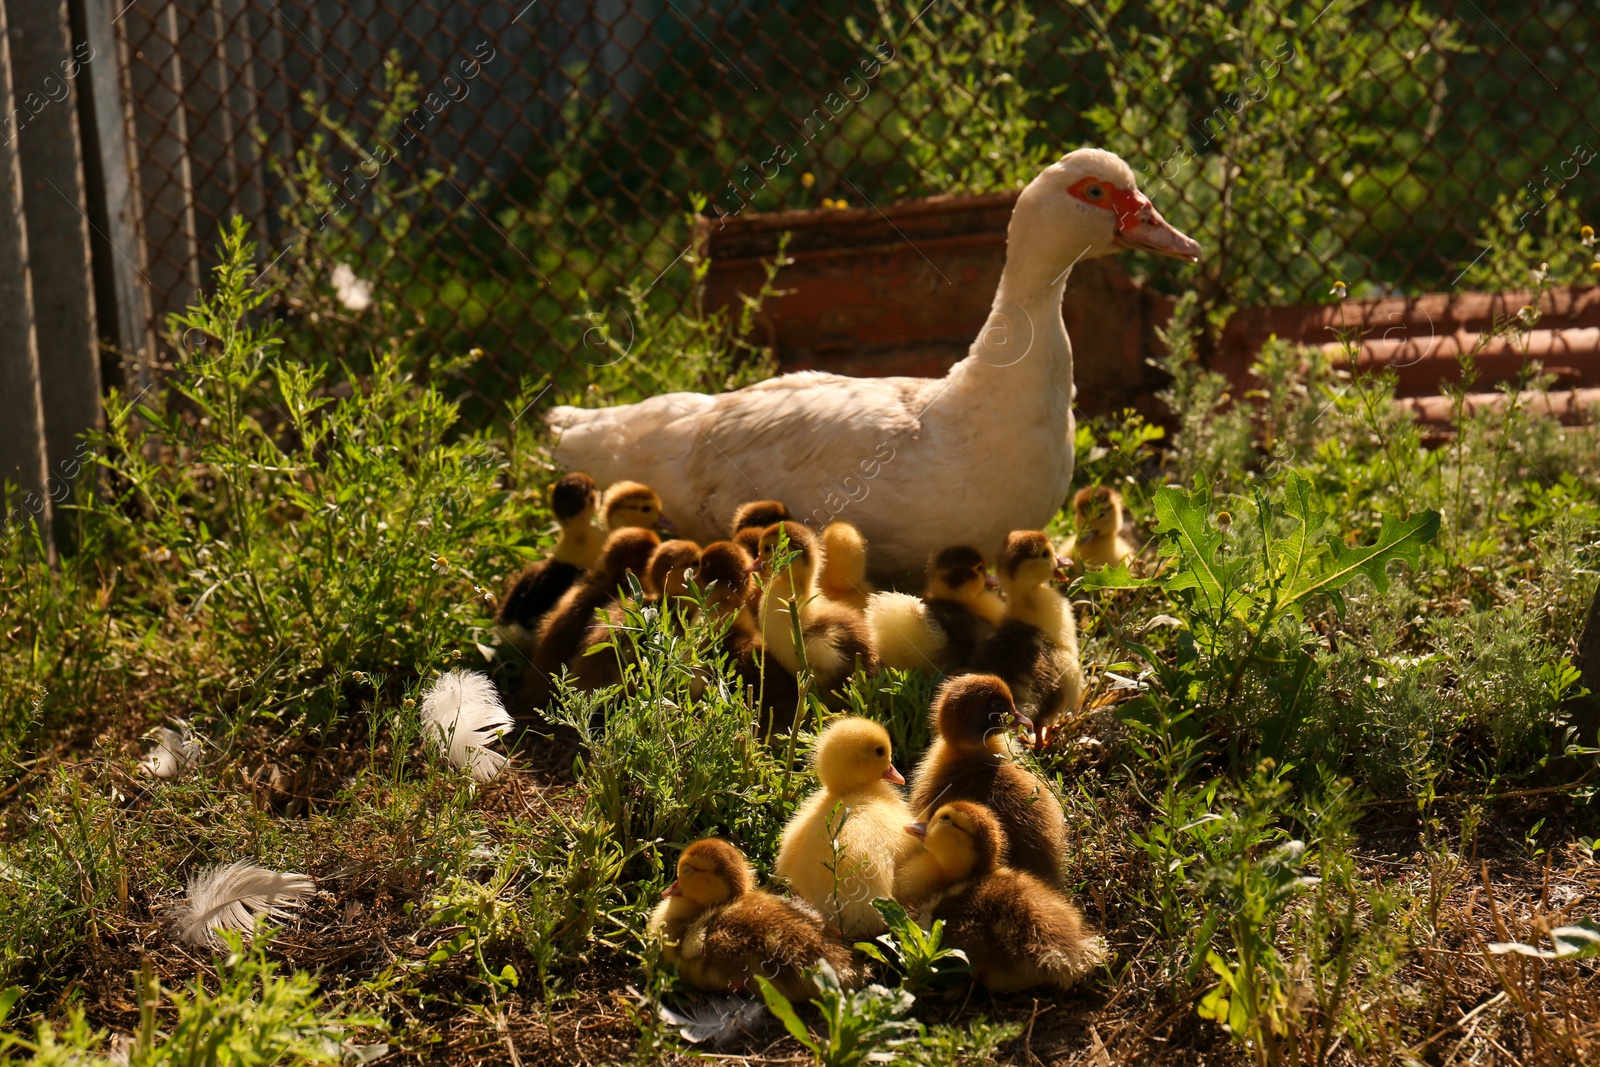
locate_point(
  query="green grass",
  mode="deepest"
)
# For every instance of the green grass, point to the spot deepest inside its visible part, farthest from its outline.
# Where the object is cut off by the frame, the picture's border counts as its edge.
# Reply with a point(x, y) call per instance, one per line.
point(1300, 808)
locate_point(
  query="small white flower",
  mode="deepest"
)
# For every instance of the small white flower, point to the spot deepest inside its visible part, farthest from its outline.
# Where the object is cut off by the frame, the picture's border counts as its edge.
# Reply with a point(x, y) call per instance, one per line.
point(1339, 290)
point(1586, 237)
point(353, 292)
point(1541, 274)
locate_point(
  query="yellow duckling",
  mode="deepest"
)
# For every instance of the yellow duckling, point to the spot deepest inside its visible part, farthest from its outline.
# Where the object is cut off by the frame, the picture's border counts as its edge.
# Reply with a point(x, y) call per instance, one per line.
point(1098, 515)
point(970, 759)
point(722, 932)
point(835, 637)
point(843, 578)
point(840, 850)
point(1035, 648)
point(1017, 931)
point(941, 629)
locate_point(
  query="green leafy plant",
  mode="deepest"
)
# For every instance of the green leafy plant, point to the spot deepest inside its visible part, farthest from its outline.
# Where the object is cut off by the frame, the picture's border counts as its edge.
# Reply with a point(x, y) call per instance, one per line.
point(921, 958)
point(863, 1026)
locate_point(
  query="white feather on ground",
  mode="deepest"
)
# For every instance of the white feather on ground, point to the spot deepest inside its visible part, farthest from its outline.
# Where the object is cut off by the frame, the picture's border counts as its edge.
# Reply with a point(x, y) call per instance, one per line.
point(233, 896)
point(174, 750)
point(461, 717)
point(718, 1019)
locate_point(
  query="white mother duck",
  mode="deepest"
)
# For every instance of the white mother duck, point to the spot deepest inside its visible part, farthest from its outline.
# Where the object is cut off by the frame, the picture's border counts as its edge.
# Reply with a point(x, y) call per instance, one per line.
point(997, 428)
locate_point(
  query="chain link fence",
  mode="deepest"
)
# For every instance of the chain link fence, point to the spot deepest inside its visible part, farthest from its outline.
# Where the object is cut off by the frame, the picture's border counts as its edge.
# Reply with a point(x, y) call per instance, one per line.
point(479, 174)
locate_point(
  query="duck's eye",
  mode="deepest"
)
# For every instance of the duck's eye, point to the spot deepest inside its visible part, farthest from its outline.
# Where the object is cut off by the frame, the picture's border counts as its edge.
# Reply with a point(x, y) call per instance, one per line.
point(1095, 192)
point(879, 750)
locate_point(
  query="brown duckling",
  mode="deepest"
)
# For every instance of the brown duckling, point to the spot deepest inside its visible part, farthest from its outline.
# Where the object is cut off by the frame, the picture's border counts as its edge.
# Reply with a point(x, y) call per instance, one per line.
point(843, 578)
point(1035, 648)
point(627, 551)
point(664, 586)
point(842, 847)
point(941, 629)
point(752, 520)
point(1017, 931)
point(835, 637)
point(970, 759)
point(628, 504)
point(1098, 515)
point(531, 592)
point(726, 579)
point(722, 932)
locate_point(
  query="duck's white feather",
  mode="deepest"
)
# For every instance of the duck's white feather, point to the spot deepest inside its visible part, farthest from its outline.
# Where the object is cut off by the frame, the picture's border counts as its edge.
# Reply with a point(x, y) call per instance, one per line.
point(233, 896)
point(461, 717)
point(174, 750)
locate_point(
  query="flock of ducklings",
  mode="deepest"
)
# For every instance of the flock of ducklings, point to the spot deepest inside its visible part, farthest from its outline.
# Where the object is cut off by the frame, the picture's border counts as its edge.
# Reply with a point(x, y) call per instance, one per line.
point(989, 859)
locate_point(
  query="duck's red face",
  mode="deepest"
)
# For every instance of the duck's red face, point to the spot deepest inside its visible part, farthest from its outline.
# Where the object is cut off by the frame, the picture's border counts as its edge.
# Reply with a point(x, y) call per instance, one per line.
point(1139, 224)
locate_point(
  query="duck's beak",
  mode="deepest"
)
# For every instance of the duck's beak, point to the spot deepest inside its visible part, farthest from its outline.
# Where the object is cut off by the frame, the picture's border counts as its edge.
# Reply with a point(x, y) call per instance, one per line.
point(1063, 564)
point(990, 581)
point(671, 891)
point(1021, 721)
point(892, 775)
point(917, 829)
point(1140, 225)
point(666, 525)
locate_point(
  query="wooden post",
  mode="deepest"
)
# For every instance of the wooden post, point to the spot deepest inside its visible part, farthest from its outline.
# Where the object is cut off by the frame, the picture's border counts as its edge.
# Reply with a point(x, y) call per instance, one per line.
point(23, 455)
point(122, 290)
point(44, 72)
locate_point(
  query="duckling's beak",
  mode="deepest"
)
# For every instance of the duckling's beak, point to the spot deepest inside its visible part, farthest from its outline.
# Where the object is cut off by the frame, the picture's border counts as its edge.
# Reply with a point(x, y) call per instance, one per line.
point(1140, 225)
point(1063, 563)
point(1021, 721)
point(918, 829)
point(666, 525)
point(671, 891)
point(990, 581)
point(892, 775)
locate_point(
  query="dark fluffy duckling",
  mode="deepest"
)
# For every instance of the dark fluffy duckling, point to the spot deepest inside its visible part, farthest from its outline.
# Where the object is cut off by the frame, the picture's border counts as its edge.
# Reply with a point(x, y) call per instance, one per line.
point(1035, 648)
point(1017, 931)
point(665, 583)
point(970, 759)
point(835, 637)
point(628, 504)
point(531, 592)
point(941, 629)
point(725, 578)
point(753, 519)
point(627, 551)
point(722, 932)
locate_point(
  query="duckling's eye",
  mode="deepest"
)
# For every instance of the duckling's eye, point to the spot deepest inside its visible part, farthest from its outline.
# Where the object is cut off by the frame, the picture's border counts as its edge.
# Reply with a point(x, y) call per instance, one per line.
point(1095, 192)
point(879, 750)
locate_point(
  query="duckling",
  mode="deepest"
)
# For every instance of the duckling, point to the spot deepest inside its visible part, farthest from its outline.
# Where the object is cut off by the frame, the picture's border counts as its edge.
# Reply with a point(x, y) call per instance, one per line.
point(752, 520)
point(843, 578)
point(970, 759)
point(665, 583)
point(632, 504)
point(941, 629)
point(835, 637)
point(722, 932)
point(1017, 931)
point(531, 592)
point(842, 847)
point(627, 551)
point(1097, 513)
point(725, 576)
point(1035, 649)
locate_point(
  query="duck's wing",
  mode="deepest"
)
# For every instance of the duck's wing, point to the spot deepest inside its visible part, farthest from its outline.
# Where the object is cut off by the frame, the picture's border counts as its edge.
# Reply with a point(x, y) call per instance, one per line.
point(801, 438)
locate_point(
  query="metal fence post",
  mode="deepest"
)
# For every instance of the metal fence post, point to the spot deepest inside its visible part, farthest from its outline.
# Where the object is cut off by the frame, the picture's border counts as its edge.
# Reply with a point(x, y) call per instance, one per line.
point(22, 440)
point(43, 87)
